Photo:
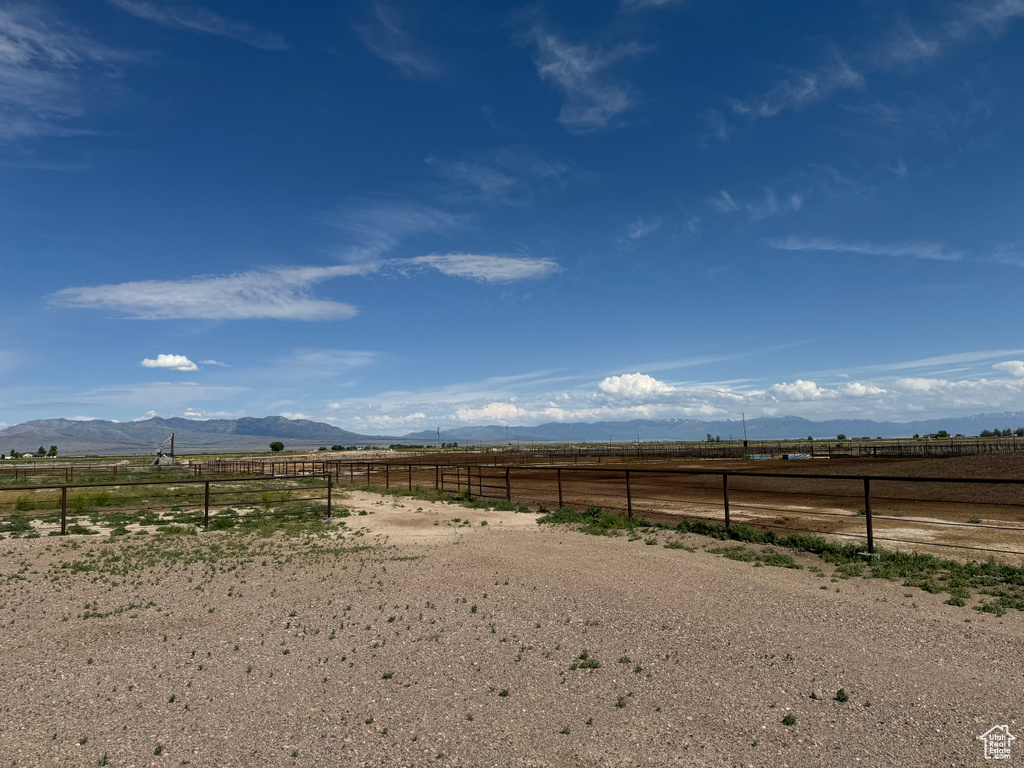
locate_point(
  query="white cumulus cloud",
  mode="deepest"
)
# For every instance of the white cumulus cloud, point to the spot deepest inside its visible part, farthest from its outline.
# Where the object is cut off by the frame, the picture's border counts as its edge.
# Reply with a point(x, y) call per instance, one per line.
point(171, 362)
point(857, 389)
point(634, 386)
point(799, 391)
point(1012, 367)
point(492, 412)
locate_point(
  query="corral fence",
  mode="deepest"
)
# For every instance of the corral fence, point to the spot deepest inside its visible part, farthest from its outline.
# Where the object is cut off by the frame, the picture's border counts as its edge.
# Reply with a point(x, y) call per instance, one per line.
point(976, 514)
point(162, 502)
point(68, 472)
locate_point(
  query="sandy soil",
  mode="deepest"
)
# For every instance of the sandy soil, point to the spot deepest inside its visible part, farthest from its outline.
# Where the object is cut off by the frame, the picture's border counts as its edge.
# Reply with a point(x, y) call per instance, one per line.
point(418, 636)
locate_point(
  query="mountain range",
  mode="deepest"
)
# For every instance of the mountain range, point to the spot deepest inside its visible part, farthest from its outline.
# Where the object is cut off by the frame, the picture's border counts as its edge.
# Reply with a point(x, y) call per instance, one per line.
point(252, 434)
point(191, 436)
point(761, 428)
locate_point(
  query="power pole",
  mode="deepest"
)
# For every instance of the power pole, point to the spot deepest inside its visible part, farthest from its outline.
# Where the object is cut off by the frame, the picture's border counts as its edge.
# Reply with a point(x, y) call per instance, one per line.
point(439, 438)
point(744, 428)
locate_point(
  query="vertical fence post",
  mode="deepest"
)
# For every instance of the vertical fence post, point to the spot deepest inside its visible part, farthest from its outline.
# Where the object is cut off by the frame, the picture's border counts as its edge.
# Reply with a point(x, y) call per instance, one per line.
point(725, 498)
point(559, 487)
point(330, 485)
point(410, 477)
point(437, 477)
point(206, 504)
point(867, 514)
point(508, 486)
point(387, 475)
point(367, 474)
point(64, 511)
point(629, 498)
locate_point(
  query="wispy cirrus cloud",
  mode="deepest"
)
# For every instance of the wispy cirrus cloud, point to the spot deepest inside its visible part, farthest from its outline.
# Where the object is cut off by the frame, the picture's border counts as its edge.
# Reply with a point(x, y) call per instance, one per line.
point(488, 268)
point(511, 174)
point(802, 88)
point(377, 226)
point(593, 97)
point(906, 44)
point(387, 38)
point(280, 294)
point(631, 6)
point(911, 44)
point(642, 227)
point(916, 250)
point(326, 363)
point(197, 19)
point(44, 70)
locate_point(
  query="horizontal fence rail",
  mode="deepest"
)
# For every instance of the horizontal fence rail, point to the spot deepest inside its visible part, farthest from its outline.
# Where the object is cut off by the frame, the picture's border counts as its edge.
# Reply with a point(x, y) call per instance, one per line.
point(972, 514)
point(69, 472)
point(166, 501)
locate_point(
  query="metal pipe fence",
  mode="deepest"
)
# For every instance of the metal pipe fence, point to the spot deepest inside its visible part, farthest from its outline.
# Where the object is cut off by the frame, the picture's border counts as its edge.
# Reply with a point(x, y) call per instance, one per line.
point(169, 501)
point(977, 514)
point(941, 512)
point(68, 472)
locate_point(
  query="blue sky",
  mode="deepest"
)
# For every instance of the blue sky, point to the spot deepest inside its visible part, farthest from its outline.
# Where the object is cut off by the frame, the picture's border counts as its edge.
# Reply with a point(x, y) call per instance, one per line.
point(395, 216)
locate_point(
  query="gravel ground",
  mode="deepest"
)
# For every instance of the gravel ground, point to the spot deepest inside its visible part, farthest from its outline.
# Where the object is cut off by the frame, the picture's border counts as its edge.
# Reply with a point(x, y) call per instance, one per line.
point(413, 639)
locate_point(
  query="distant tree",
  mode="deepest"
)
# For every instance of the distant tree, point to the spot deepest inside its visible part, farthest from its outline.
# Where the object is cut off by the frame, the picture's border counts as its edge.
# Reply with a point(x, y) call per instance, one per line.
point(277, 446)
point(52, 452)
point(718, 438)
point(811, 439)
point(322, 448)
point(916, 436)
point(984, 433)
point(337, 447)
point(957, 435)
point(1007, 433)
point(15, 454)
point(840, 436)
point(1019, 432)
point(942, 433)
point(41, 451)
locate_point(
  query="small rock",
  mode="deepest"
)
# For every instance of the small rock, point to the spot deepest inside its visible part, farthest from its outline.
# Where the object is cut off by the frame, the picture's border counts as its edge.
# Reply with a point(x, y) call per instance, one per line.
point(817, 695)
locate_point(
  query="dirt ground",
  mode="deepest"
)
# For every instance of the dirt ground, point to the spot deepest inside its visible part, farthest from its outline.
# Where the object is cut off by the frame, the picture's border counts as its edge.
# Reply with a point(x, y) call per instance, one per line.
point(959, 520)
point(416, 635)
